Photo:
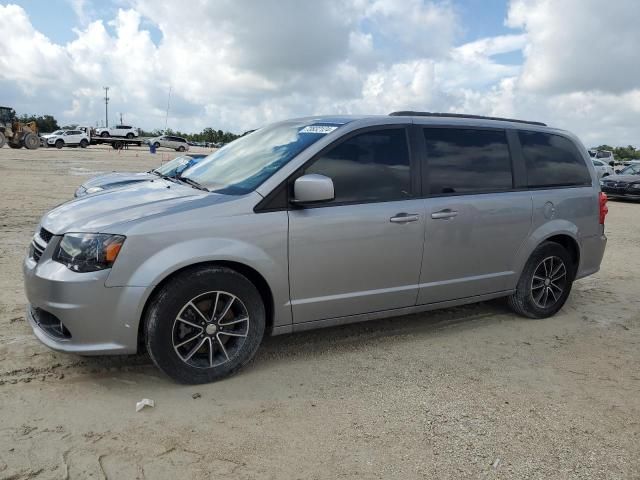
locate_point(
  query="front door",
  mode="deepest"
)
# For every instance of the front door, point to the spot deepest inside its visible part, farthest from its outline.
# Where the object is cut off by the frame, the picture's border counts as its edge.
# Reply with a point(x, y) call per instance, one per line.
point(361, 252)
point(475, 221)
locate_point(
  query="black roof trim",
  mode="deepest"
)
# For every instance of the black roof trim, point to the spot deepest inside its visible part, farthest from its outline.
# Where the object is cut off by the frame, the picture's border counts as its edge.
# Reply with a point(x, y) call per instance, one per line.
point(409, 113)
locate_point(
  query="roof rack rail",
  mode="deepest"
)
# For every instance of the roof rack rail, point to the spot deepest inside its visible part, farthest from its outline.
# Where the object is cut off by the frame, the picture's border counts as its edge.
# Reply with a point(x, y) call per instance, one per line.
point(409, 113)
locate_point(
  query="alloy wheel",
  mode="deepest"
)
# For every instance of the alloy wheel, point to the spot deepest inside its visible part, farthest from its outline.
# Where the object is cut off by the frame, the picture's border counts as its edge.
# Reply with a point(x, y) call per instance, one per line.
point(210, 329)
point(549, 282)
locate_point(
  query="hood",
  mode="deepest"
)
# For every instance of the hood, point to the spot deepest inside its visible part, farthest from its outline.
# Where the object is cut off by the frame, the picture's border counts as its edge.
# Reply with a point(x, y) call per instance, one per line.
point(101, 212)
point(622, 178)
point(118, 177)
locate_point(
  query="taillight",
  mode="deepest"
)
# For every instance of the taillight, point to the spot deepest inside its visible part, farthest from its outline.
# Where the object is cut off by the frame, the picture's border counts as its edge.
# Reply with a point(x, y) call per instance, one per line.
point(603, 207)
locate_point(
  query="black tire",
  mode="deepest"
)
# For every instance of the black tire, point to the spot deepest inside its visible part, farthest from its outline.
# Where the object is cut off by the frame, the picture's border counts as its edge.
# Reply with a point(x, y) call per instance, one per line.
point(104, 134)
point(130, 135)
point(84, 143)
point(180, 149)
point(523, 301)
point(59, 144)
point(15, 146)
point(156, 145)
point(3, 140)
point(161, 320)
point(31, 141)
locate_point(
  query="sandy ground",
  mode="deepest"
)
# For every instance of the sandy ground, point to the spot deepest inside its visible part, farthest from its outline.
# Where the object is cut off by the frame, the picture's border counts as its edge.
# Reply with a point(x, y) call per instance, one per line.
point(471, 392)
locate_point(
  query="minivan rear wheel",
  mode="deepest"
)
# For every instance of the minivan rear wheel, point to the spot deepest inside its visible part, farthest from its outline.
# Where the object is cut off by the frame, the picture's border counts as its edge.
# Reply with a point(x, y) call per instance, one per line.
point(204, 325)
point(545, 282)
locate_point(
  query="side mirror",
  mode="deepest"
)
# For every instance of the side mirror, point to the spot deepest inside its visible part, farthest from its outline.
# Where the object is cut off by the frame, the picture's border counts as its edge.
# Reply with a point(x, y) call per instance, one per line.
point(313, 188)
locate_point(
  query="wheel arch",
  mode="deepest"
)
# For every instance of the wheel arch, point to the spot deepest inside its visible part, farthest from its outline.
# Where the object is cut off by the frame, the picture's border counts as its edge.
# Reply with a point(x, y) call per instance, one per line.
point(562, 232)
point(570, 244)
point(250, 273)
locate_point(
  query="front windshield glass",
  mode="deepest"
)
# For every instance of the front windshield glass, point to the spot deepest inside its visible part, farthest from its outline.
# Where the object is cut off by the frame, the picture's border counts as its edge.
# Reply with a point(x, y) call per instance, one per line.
point(631, 170)
point(58, 132)
point(176, 165)
point(241, 166)
point(603, 155)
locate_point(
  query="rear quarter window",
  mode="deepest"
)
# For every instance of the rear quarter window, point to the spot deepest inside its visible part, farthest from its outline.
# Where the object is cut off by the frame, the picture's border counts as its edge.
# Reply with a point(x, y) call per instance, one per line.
point(552, 161)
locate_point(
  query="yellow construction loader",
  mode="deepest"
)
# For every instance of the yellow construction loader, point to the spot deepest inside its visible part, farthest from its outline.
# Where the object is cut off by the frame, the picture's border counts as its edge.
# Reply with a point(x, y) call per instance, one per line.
point(17, 134)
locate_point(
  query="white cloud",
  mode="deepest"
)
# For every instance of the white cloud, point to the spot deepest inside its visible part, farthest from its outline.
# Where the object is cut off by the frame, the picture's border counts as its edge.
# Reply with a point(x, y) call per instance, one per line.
point(234, 67)
point(579, 45)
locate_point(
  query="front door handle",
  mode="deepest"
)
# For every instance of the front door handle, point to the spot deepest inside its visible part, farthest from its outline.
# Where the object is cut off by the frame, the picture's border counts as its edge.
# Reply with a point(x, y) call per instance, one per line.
point(445, 214)
point(405, 218)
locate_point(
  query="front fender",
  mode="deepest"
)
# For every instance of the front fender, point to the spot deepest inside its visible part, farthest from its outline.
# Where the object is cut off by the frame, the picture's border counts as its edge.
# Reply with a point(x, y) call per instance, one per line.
point(260, 244)
point(172, 258)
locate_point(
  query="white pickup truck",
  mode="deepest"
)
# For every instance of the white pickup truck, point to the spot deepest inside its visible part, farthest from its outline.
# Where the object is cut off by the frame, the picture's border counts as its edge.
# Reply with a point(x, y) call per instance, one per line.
point(126, 131)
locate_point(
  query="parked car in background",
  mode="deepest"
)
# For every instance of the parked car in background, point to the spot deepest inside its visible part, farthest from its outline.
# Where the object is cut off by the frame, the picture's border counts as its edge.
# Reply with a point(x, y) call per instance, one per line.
point(113, 180)
point(624, 184)
point(126, 131)
point(605, 156)
point(602, 169)
point(315, 222)
point(45, 136)
point(631, 162)
point(179, 144)
point(68, 138)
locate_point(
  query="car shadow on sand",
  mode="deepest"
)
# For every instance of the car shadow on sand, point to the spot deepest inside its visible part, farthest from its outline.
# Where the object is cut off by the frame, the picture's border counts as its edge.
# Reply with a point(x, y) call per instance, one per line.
point(369, 334)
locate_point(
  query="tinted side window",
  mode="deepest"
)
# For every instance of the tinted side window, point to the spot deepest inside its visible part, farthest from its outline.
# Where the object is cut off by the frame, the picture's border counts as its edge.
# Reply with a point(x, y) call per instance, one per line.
point(467, 160)
point(371, 166)
point(552, 161)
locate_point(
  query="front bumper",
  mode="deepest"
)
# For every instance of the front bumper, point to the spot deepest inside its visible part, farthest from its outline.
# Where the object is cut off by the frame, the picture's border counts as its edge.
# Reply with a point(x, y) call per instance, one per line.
point(621, 192)
point(94, 319)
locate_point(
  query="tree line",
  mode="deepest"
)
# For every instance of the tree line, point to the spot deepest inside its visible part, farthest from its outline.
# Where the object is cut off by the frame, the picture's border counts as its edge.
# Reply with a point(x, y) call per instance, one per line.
point(207, 135)
point(621, 153)
point(48, 124)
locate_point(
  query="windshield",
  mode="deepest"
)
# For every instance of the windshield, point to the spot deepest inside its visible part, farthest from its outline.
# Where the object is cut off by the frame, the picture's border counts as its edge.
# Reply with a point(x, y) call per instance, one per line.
point(631, 170)
point(177, 165)
point(245, 163)
point(604, 155)
point(58, 132)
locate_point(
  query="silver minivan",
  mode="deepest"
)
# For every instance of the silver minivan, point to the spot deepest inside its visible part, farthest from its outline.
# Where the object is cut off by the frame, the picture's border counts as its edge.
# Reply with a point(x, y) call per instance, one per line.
point(179, 144)
point(316, 222)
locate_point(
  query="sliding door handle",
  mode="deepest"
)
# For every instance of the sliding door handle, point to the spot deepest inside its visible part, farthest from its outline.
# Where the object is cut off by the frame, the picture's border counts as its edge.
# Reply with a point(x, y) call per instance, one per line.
point(445, 214)
point(405, 218)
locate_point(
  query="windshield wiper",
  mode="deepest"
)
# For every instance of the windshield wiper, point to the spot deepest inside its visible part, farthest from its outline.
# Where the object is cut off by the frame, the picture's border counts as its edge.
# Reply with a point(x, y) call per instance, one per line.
point(193, 183)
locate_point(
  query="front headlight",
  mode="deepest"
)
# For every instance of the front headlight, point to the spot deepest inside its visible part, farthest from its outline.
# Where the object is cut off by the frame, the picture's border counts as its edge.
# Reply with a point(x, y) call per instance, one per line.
point(91, 190)
point(635, 185)
point(88, 252)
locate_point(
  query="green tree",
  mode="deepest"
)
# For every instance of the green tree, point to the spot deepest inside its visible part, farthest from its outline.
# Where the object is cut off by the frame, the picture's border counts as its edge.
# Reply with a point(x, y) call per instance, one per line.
point(46, 123)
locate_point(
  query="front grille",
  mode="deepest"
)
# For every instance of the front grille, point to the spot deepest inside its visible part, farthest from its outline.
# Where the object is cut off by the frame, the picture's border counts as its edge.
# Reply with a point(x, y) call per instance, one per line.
point(46, 235)
point(36, 251)
point(39, 244)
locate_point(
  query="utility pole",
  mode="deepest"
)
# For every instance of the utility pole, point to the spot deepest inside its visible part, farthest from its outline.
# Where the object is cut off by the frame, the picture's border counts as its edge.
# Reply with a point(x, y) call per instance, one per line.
point(166, 118)
point(120, 118)
point(106, 106)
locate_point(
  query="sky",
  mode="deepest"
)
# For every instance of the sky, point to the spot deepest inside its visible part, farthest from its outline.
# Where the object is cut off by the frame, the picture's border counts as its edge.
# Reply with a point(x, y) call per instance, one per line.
point(238, 64)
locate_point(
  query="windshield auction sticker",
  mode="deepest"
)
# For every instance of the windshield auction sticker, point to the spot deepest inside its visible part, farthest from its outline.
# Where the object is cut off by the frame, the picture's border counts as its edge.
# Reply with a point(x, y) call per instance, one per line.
point(318, 129)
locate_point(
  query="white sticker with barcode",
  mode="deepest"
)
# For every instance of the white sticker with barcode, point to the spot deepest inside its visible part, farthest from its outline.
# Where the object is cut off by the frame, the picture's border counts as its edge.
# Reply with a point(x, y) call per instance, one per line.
point(318, 129)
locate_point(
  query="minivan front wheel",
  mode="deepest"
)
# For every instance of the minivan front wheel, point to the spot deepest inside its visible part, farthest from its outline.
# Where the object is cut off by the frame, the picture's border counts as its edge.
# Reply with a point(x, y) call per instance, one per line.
point(545, 282)
point(204, 325)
